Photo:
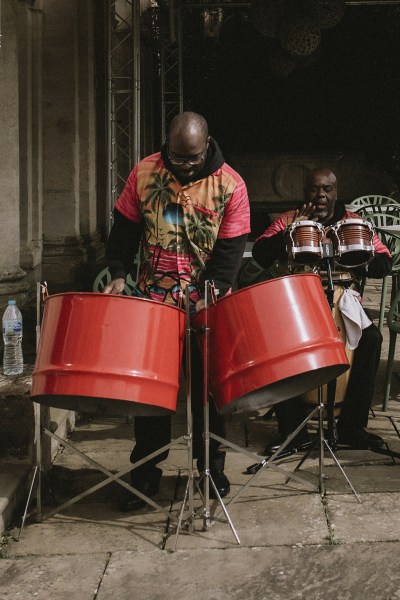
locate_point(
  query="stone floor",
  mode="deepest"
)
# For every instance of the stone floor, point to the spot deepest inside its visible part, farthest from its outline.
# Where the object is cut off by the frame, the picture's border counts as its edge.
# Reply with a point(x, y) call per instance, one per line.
point(294, 541)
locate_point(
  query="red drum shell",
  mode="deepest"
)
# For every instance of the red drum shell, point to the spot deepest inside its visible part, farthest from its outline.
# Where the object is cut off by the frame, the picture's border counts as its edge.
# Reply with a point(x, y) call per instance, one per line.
point(109, 354)
point(270, 342)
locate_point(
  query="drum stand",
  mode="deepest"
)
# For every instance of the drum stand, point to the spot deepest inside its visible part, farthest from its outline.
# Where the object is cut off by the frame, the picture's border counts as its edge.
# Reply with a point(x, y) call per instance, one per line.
point(114, 477)
point(324, 443)
point(330, 443)
point(206, 477)
point(270, 463)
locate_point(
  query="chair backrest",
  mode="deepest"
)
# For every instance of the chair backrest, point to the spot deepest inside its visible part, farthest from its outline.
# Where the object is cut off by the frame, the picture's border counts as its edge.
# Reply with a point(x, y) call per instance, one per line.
point(366, 209)
point(104, 277)
point(363, 200)
point(391, 242)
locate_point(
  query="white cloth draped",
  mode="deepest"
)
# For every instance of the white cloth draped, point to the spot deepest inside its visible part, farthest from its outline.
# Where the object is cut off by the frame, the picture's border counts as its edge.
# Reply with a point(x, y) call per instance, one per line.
point(354, 317)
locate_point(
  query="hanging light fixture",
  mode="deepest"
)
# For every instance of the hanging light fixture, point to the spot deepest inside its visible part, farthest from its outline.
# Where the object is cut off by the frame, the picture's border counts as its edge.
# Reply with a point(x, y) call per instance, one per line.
point(326, 13)
point(212, 21)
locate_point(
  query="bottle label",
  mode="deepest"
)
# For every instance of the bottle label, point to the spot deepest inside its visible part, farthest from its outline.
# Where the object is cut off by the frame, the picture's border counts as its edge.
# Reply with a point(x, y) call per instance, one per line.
point(12, 327)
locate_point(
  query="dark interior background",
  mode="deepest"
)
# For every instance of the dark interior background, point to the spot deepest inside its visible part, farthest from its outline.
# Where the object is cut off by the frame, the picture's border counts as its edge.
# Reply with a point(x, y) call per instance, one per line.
point(343, 97)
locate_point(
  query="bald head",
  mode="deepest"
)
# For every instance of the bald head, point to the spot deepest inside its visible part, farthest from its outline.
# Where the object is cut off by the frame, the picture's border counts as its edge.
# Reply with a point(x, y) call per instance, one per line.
point(188, 124)
point(188, 143)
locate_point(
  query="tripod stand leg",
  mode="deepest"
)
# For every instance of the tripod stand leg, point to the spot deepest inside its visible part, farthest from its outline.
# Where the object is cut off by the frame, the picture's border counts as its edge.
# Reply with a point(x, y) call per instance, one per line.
point(35, 472)
point(325, 444)
point(224, 509)
point(341, 470)
point(321, 443)
point(189, 487)
point(189, 492)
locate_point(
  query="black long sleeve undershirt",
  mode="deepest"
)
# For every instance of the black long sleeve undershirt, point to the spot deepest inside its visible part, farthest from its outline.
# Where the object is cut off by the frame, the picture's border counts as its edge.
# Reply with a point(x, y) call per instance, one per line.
point(267, 250)
point(122, 245)
point(223, 266)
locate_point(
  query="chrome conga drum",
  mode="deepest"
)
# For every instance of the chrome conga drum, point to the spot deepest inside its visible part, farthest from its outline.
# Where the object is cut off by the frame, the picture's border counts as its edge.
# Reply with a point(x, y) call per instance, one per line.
point(352, 242)
point(304, 242)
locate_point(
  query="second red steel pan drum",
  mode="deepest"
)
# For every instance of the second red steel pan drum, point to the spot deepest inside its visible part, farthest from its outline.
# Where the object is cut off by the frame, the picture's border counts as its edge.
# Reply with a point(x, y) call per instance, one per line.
point(109, 354)
point(270, 342)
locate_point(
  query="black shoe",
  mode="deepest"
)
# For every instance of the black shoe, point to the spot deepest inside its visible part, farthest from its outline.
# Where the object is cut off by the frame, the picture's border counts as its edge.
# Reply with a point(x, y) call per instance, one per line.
point(148, 483)
point(359, 438)
point(301, 443)
point(217, 465)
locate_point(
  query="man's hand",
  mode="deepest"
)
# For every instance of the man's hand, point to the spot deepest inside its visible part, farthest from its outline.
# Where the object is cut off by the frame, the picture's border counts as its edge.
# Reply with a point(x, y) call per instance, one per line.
point(305, 213)
point(116, 286)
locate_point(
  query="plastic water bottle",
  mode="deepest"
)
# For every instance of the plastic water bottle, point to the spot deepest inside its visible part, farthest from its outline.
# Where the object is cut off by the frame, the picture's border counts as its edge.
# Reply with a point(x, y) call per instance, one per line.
point(13, 360)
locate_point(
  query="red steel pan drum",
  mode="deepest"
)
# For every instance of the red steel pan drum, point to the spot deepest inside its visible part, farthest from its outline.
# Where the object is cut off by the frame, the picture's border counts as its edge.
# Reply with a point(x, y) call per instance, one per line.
point(109, 354)
point(304, 241)
point(270, 342)
point(352, 242)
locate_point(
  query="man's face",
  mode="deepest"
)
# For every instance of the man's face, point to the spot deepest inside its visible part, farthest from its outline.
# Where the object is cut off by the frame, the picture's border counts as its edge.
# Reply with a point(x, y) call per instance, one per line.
point(322, 193)
point(187, 155)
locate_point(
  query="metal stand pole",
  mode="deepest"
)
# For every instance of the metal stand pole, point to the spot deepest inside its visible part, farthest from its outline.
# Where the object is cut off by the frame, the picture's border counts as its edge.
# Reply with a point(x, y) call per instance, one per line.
point(189, 490)
point(324, 443)
point(331, 443)
point(207, 478)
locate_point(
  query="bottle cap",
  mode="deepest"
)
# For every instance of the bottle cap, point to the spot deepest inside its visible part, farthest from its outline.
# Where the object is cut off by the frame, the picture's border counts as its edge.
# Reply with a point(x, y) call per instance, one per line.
point(12, 302)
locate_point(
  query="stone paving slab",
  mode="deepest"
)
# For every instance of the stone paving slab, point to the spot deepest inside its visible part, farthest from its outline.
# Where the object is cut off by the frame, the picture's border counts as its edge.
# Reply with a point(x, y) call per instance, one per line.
point(316, 572)
point(340, 572)
point(44, 578)
point(284, 520)
point(376, 519)
point(88, 527)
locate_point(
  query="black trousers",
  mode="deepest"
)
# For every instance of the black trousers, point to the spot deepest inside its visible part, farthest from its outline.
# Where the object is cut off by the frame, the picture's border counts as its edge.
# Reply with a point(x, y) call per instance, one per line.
point(360, 389)
point(152, 433)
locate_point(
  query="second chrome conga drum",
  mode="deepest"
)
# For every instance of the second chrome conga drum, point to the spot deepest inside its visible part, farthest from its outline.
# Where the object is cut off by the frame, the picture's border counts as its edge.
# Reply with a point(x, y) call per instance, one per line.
point(270, 342)
point(352, 242)
point(304, 242)
point(109, 354)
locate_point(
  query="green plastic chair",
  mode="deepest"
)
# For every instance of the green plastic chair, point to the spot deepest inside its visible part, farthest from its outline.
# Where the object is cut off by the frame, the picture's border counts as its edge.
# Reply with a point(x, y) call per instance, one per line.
point(371, 200)
point(104, 277)
point(393, 322)
point(387, 209)
point(382, 219)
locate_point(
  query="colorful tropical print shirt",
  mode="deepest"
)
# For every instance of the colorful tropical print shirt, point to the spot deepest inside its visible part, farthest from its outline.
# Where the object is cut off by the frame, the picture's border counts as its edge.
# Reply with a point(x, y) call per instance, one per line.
point(181, 223)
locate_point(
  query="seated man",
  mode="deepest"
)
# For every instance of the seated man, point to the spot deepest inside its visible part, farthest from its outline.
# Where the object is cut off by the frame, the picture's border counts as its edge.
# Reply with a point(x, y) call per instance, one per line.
point(320, 205)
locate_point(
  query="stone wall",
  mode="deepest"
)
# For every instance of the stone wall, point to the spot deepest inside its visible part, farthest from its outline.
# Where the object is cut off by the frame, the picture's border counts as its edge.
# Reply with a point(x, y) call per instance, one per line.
point(19, 416)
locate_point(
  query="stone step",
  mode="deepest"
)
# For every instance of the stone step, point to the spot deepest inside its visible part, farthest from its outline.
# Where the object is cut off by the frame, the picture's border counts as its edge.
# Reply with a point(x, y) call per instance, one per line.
point(16, 474)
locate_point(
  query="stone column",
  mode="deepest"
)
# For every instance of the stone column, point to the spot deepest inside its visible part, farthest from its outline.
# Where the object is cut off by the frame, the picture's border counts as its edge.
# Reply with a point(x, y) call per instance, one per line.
point(12, 277)
point(87, 134)
point(30, 31)
point(69, 200)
